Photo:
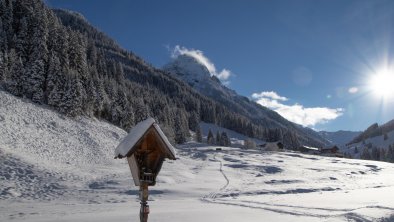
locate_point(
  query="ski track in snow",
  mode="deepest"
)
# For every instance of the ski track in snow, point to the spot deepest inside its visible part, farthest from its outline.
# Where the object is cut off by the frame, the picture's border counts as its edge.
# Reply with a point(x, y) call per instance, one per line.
point(54, 168)
point(212, 196)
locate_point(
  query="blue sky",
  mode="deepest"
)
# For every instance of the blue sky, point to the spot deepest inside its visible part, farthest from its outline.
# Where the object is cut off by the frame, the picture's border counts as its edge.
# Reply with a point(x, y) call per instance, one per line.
point(311, 61)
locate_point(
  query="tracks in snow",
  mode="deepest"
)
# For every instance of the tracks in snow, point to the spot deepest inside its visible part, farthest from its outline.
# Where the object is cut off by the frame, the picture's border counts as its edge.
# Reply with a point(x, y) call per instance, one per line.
point(212, 196)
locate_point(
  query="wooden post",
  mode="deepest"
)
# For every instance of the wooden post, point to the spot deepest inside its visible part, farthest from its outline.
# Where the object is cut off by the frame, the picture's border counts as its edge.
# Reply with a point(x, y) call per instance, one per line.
point(144, 210)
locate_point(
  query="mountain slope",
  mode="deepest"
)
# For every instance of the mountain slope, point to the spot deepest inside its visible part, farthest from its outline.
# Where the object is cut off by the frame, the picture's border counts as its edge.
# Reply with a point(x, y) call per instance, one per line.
point(339, 138)
point(55, 57)
point(373, 131)
point(199, 77)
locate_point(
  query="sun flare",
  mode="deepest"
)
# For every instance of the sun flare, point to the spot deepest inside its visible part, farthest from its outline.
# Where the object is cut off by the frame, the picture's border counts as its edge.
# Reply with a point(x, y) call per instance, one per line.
point(382, 83)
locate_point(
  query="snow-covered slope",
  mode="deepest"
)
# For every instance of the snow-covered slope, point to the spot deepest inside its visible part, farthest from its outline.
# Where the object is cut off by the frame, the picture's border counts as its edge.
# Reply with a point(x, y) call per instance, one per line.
point(58, 169)
point(355, 149)
point(45, 154)
point(373, 131)
point(374, 137)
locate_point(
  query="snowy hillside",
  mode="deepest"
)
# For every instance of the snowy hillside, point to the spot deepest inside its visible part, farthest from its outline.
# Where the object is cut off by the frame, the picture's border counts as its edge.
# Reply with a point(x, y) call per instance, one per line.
point(374, 130)
point(58, 169)
point(377, 141)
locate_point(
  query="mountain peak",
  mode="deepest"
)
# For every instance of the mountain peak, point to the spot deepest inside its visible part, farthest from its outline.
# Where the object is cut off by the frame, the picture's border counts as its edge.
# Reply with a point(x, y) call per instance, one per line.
point(189, 69)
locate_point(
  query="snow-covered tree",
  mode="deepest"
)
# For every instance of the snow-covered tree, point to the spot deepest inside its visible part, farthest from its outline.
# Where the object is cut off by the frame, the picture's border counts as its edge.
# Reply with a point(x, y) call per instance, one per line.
point(198, 134)
point(194, 121)
point(3, 68)
point(249, 144)
point(71, 103)
point(15, 77)
point(366, 155)
point(181, 127)
point(140, 110)
point(224, 139)
point(210, 139)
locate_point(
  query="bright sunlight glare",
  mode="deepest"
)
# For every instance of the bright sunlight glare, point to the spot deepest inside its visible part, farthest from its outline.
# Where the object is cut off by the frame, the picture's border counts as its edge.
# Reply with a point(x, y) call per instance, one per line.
point(382, 83)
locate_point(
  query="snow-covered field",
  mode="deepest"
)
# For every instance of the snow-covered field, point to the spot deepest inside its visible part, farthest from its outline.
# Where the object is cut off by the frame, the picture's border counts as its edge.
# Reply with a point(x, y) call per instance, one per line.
point(53, 168)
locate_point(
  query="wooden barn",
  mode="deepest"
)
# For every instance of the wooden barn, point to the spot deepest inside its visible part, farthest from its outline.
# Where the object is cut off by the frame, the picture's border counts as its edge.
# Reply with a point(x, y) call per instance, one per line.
point(329, 150)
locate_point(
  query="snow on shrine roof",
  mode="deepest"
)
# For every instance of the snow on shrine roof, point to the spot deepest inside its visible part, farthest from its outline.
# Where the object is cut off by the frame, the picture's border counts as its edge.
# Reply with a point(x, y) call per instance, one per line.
point(136, 133)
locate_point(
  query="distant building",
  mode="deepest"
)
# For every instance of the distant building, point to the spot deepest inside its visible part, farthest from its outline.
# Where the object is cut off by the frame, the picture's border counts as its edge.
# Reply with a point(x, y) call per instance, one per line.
point(309, 150)
point(329, 150)
point(271, 146)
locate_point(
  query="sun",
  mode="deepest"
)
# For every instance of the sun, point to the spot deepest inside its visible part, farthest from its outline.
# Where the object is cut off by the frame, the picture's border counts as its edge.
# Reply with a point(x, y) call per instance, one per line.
point(382, 83)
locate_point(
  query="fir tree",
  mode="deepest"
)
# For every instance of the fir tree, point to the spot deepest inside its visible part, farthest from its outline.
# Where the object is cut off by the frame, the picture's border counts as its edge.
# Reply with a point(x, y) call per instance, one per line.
point(224, 139)
point(210, 139)
point(140, 110)
point(194, 121)
point(366, 155)
point(2, 68)
point(71, 103)
point(181, 127)
point(198, 135)
point(217, 138)
point(14, 83)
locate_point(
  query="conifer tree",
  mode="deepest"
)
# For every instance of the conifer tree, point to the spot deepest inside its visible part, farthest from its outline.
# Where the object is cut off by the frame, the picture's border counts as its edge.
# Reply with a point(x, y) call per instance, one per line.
point(198, 135)
point(366, 155)
point(224, 139)
point(217, 138)
point(194, 121)
point(2, 68)
point(181, 127)
point(14, 83)
point(140, 110)
point(210, 139)
point(71, 103)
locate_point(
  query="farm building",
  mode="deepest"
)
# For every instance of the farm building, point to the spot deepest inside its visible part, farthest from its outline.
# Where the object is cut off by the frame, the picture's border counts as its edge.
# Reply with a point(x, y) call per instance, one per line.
point(309, 150)
point(271, 146)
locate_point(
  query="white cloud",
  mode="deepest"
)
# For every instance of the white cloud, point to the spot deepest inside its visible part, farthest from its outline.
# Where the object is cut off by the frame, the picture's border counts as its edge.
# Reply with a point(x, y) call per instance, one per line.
point(297, 113)
point(272, 95)
point(223, 75)
point(353, 90)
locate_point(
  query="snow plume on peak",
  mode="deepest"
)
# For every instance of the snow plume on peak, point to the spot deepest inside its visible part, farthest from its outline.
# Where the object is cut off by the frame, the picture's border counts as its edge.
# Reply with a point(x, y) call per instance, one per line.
point(306, 116)
point(271, 95)
point(199, 56)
